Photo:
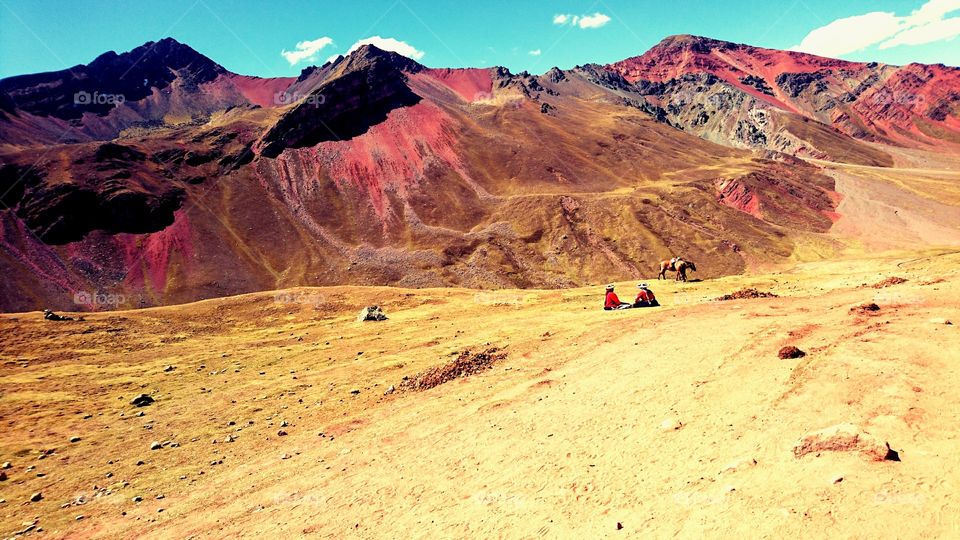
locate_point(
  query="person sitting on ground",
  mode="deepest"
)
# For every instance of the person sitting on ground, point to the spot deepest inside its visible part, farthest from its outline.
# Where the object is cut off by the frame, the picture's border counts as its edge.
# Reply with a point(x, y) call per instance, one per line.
point(612, 301)
point(51, 316)
point(645, 297)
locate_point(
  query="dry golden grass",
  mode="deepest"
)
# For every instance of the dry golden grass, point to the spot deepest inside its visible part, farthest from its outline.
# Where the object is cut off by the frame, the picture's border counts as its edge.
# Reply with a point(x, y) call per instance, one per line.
point(561, 438)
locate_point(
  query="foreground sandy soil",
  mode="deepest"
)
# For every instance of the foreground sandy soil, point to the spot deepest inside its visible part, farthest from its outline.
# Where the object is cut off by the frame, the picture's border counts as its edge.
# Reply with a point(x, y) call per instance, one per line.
point(563, 437)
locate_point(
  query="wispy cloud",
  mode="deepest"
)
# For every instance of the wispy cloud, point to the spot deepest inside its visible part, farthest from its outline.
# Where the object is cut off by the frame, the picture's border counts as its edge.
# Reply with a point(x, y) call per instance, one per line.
point(389, 44)
point(536, 52)
point(928, 24)
point(306, 50)
point(583, 21)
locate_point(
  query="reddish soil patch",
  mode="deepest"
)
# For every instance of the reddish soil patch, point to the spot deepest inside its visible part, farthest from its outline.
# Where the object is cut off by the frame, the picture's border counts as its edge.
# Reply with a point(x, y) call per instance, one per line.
point(745, 293)
point(465, 365)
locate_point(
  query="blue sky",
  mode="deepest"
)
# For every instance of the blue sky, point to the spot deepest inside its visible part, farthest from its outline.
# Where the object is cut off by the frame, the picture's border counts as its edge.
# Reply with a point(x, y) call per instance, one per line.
point(249, 37)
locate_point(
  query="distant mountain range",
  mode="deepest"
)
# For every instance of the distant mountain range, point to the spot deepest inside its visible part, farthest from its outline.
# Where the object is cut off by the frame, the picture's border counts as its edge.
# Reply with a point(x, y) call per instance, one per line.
point(157, 176)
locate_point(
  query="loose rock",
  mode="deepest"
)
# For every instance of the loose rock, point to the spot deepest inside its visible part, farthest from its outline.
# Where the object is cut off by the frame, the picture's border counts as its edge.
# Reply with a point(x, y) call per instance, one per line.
point(790, 352)
point(670, 424)
point(141, 400)
point(36, 497)
point(371, 313)
point(155, 445)
point(845, 438)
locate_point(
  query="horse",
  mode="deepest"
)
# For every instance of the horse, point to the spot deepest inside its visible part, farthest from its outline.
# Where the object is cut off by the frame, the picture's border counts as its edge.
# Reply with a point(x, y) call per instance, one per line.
point(680, 268)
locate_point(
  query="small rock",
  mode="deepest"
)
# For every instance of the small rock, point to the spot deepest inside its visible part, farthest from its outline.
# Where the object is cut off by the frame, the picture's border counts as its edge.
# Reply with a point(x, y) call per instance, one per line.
point(36, 497)
point(790, 352)
point(670, 424)
point(74, 439)
point(79, 517)
point(837, 479)
point(285, 456)
point(229, 439)
point(390, 390)
point(160, 497)
point(284, 424)
point(3, 476)
point(137, 499)
point(355, 391)
point(155, 445)
point(281, 433)
point(619, 526)
point(168, 369)
point(6, 465)
point(940, 320)
point(141, 400)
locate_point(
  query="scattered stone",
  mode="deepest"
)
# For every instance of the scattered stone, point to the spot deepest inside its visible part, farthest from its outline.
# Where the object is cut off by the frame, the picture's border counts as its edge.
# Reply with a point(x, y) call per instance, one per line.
point(141, 400)
point(6, 465)
point(168, 369)
point(3, 476)
point(36, 497)
point(109, 475)
point(465, 365)
point(619, 526)
point(670, 424)
point(869, 307)
point(390, 390)
point(371, 313)
point(894, 280)
point(790, 352)
point(845, 438)
point(79, 517)
point(137, 499)
point(940, 320)
point(281, 433)
point(355, 391)
point(160, 497)
point(284, 423)
point(155, 445)
point(285, 456)
point(229, 439)
point(745, 294)
point(74, 439)
point(837, 479)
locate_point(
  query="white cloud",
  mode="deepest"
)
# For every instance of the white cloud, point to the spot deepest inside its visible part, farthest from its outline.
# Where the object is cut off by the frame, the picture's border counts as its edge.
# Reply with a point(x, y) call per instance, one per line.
point(583, 21)
point(536, 52)
point(306, 50)
point(593, 21)
point(389, 44)
point(850, 34)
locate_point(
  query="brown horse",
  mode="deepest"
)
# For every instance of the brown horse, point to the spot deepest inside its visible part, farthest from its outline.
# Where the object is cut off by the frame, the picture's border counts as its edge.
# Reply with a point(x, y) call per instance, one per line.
point(680, 268)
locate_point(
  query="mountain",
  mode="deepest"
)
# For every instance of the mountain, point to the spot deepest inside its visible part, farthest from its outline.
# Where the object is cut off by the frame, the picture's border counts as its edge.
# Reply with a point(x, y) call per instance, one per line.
point(157, 176)
point(796, 103)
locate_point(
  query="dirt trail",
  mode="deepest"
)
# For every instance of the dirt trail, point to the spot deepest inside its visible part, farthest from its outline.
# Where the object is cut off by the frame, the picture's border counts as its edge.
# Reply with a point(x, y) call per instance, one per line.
point(562, 437)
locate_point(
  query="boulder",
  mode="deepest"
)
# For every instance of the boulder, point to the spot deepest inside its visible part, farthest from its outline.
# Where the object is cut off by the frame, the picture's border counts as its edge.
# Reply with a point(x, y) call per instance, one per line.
point(844, 438)
point(371, 313)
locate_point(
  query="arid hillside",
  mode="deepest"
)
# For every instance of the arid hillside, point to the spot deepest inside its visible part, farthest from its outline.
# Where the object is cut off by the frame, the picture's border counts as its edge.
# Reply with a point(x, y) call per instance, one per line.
point(278, 414)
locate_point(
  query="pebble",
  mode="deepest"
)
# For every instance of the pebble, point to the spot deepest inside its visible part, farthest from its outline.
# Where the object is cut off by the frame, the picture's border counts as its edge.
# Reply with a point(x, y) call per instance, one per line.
point(390, 390)
point(670, 424)
point(155, 445)
point(142, 400)
point(74, 439)
point(6, 465)
point(940, 320)
point(281, 433)
point(355, 391)
point(36, 497)
point(3, 476)
point(137, 499)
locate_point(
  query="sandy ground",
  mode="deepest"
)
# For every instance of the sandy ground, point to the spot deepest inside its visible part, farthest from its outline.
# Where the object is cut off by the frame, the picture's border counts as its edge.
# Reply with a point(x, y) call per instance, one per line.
point(564, 437)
